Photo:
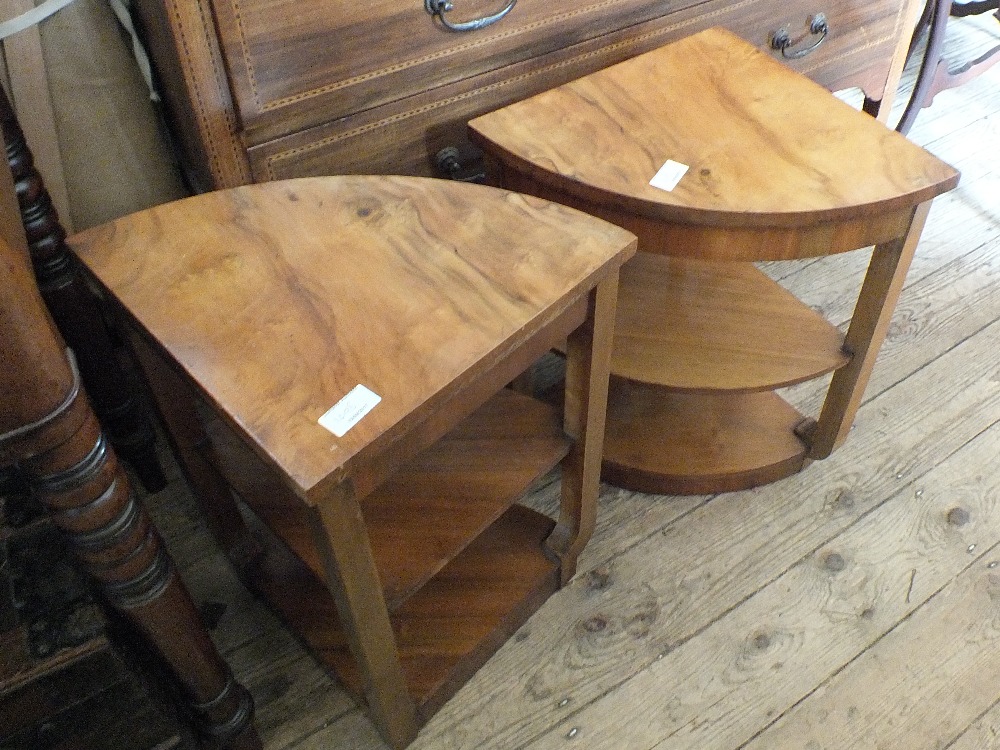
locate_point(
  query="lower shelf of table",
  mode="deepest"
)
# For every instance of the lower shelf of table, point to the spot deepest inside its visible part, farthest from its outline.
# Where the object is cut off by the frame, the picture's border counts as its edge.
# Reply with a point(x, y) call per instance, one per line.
point(449, 628)
point(675, 443)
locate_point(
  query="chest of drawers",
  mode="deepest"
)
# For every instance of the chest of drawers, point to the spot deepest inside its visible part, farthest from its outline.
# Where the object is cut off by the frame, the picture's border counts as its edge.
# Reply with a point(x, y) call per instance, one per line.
point(265, 89)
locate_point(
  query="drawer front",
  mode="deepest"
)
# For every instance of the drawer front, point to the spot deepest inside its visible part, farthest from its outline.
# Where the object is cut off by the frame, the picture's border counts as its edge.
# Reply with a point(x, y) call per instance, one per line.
point(856, 48)
point(403, 137)
point(297, 64)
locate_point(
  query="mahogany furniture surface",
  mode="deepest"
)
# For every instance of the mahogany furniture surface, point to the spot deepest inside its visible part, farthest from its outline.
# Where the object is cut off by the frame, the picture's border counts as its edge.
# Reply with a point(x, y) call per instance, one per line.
point(777, 168)
point(256, 92)
point(396, 549)
point(50, 433)
point(70, 676)
point(77, 311)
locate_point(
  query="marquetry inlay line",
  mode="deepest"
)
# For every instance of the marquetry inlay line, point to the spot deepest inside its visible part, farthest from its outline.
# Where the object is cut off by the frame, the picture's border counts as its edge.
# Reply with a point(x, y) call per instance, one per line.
point(414, 62)
point(406, 64)
point(199, 33)
point(273, 160)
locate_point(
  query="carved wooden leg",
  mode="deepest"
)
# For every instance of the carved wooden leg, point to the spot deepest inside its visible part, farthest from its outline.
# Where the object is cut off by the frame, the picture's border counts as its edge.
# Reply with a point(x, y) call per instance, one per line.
point(49, 430)
point(77, 312)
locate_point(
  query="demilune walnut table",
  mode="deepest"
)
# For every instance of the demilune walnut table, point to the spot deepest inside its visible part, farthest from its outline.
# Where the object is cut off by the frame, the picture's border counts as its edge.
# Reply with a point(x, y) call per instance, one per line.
point(350, 339)
point(758, 163)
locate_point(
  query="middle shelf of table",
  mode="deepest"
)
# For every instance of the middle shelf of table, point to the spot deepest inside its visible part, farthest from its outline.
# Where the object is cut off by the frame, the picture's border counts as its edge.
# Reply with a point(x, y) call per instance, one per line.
point(713, 326)
point(700, 347)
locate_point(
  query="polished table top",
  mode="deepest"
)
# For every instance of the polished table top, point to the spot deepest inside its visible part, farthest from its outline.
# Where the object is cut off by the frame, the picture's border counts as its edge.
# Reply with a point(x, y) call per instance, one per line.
point(763, 145)
point(302, 290)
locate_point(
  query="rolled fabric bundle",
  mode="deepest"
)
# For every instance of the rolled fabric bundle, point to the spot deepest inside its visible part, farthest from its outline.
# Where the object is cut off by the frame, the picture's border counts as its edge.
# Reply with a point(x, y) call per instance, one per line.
point(115, 154)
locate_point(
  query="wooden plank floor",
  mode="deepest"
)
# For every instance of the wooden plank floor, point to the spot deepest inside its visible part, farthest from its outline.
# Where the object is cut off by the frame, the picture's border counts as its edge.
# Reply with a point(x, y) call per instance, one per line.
point(851, 606)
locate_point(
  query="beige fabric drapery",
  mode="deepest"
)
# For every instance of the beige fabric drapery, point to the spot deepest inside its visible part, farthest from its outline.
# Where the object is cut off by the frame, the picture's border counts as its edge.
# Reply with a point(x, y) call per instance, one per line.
point(85, 108)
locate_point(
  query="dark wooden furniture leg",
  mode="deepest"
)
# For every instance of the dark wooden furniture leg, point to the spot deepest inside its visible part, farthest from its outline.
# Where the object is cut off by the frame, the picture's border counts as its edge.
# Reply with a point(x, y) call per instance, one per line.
point(936, 74)
point(78, 312)
point(48, 429)
point(937, 17)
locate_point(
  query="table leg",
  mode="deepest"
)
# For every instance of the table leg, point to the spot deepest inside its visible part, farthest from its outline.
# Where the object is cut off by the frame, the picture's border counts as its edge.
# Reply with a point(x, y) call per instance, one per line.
point(49, 429)
point(342, 538)
point(872, 314)
point(192, 449)
point(88, 496)
point(78, 312)
point(588, 361)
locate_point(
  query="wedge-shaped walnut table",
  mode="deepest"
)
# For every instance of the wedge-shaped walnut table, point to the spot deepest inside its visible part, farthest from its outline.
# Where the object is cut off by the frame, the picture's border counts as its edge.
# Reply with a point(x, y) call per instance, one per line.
point(396, 549)
point(777, 168)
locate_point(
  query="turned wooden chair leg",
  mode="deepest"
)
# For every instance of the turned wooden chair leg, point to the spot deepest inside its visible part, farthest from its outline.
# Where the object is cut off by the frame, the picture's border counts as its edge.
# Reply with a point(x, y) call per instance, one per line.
point(78, 312)
point(49, 431)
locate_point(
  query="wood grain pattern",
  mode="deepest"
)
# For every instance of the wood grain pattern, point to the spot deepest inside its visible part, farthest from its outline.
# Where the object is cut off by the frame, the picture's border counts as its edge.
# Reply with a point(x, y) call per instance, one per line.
point(849, 593)
point(766, 149)
point(982, 735)
point(433, 507)
point(49, 431)
point(936, 389)
point(450, 628)
point(867, 330)
point(726, 243)
point(330, 90)
point(678, 443)
point(658, 581)
point(183, 42)
point(660, 570)
point(218, 265)
point(588, 356)
point(705, 327)
point(271, 299)
point(770, 166)
point(918, 662)
point(350, 574)
point(287, 77)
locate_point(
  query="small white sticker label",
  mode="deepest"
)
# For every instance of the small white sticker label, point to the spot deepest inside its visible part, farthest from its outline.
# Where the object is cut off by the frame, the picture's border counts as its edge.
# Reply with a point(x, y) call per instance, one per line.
point(350, 410)
point(669, 175)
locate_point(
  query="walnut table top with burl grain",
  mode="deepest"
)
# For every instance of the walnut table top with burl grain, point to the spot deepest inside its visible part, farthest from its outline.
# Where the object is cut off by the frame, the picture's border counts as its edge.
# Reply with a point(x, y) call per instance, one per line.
point(392, 541)
point(766, 165)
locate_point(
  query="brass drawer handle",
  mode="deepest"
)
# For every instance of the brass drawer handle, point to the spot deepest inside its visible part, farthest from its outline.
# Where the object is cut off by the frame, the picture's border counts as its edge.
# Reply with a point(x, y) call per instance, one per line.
point(440, 7)
point(782, 41)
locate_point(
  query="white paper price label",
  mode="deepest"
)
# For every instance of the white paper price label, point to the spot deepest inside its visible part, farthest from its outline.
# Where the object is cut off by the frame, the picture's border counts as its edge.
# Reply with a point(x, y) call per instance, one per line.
point(350, 410)
point(669, 175)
